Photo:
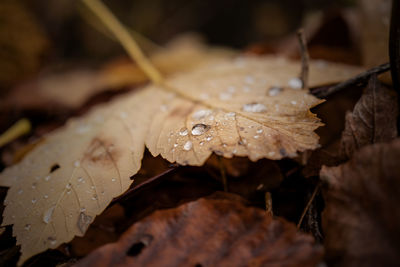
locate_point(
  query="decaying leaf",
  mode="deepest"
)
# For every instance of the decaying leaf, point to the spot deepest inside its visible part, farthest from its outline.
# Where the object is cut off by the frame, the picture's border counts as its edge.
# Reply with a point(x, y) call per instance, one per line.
point(361, 216)
point(241, 107)
point(373, 120)
point(209, 232)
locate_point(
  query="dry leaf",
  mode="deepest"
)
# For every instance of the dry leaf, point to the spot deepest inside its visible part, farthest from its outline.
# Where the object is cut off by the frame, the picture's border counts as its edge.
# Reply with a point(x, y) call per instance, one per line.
point(240, 107)
point(373, 120)
point(209, 232)
point(361, 218)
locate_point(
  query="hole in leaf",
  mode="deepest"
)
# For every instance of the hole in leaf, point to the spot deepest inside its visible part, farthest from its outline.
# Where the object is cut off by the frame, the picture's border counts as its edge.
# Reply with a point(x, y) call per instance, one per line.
point(138, 247)
point(54, 167)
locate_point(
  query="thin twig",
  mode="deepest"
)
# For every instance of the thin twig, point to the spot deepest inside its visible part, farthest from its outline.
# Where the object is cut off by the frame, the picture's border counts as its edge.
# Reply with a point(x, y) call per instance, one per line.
point(139, 186)
point(305, 58)
point(316, 189)
point(268, 203)
point(361, 78)
point(124, 37)
point(223, 174)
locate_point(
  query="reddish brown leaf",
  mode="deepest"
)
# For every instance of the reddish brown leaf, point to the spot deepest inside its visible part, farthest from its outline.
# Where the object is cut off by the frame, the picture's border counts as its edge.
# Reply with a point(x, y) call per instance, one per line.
point(361, 219)
point(373, 119)
point(209, 232)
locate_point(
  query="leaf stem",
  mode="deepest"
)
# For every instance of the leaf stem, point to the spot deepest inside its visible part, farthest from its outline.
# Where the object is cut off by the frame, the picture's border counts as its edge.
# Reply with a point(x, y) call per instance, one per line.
point(126, 40)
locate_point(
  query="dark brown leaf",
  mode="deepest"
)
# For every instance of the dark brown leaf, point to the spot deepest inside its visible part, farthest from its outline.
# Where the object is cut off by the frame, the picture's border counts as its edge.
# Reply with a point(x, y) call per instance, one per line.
point(373, 119)
point(361, 219)
point(220, 231)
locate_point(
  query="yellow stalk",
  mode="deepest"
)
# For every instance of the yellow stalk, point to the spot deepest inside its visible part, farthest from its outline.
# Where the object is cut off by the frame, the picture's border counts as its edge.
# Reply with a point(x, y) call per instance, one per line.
point(21, 127)
point(124, 37)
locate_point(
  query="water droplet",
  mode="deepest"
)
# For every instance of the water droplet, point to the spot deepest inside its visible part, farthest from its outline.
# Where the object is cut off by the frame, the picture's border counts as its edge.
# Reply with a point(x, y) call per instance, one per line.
point(94, 197)
point(230, 114)
point(201, 143)
point(246, 89)
point(293, 102)
point(204, 96)
point(218, 152)
point(231, 89)
point(188, 145)
point(68, 186)
point(77, 163)
point(254, 107)
point(295, 83)
point(163, 108)
point(52, 241)
point(274, 91)
point(46, 196)
point(183, 132)
point(249, 79)
point(84, 222)
point(27, 227)
point(83, 209)
point(321, 64)
point(256, 136)
point(175, 145)
point(34, 200)
point(209, 138)
point(199, 129)
point(113, 180)
point(123, 115)
point(34, 185)
point(47, 178)
point(202, 113)
point(270, 154)
point(259, 131)
point(82, 129)
point(80, 179)
point(47, 215)
point(20, 191)
point(225, 96)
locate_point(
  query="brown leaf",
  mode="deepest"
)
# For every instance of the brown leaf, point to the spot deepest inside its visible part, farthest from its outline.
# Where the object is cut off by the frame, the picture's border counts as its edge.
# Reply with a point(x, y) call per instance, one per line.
point(373, 119)
point(209, 232)
point(361, 219)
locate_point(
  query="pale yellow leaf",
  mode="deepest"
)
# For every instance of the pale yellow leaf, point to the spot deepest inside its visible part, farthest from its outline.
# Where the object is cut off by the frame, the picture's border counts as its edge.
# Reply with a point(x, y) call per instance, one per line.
point(241, 107)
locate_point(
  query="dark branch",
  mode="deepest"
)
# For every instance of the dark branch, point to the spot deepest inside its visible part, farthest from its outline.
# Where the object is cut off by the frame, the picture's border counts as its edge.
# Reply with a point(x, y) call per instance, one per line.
point(141, 185)
point(360, 79)
point(305, 58)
